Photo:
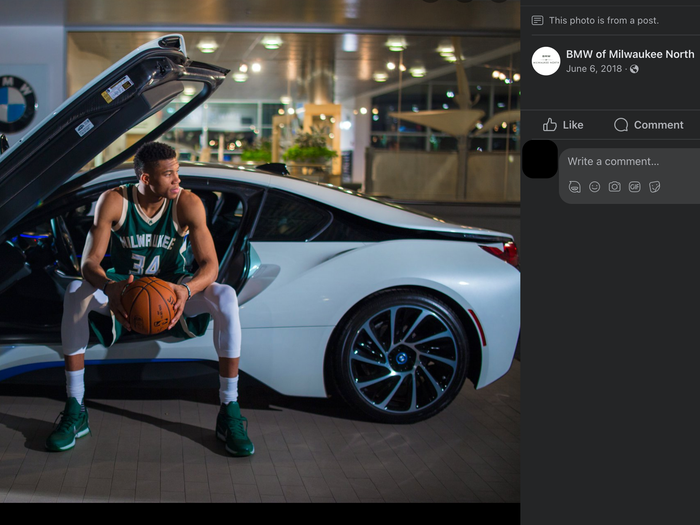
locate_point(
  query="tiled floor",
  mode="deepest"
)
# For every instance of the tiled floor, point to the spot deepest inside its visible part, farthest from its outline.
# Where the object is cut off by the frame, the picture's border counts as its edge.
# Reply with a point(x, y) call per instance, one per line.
point(155, 443)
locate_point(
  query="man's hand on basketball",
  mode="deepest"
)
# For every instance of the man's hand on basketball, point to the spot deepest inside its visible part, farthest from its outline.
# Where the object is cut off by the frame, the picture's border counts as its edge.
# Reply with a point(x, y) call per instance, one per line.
point(114, 292)
point(182, 296)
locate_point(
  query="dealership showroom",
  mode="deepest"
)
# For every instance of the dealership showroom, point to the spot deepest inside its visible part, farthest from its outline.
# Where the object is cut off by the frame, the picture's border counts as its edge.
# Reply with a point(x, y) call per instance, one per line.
point(333, 201)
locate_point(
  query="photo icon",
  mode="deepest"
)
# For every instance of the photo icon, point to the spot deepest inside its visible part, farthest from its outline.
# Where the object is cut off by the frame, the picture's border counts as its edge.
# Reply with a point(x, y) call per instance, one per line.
point(614, 187)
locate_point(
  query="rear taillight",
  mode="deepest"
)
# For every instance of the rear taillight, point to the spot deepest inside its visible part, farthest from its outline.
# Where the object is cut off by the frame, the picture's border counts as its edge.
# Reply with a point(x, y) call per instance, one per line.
point(509, 253)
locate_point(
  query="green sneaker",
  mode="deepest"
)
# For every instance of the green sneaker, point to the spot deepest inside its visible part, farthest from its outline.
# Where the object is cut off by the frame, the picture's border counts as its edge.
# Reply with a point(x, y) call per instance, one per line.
point(74, 424)
point(230, 428)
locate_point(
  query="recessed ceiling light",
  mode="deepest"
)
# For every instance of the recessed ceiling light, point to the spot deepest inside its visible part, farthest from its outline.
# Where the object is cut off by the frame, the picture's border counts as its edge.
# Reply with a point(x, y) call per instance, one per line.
point(272, 42)
point(207, 46)
point(396, 43)
point(189, 91)
point(417, 72)
point(445, 49)
point(380, 77)
point(390, 66)
point(243, 68)
point(240, 77)
point(516, 77)
point(285, 100)
point(256, 67)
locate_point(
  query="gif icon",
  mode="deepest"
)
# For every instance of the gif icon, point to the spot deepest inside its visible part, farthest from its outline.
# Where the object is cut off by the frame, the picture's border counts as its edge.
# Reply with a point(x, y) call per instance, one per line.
point(635, 186)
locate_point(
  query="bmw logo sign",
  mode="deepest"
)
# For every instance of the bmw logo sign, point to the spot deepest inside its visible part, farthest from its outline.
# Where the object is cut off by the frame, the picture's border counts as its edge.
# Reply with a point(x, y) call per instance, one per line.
point(17, 104)
point(401, 358)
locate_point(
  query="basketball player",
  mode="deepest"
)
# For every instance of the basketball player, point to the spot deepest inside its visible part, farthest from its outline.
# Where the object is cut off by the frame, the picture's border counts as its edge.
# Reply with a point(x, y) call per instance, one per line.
point(147, 223)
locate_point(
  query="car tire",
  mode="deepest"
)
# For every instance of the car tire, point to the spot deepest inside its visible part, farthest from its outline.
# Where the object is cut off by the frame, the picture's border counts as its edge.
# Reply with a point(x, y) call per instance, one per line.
point(402, 356)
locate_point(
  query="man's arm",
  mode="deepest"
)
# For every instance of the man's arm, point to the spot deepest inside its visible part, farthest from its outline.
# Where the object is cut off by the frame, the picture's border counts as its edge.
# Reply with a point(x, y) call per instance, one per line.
point(191, 214)
point(107, 212)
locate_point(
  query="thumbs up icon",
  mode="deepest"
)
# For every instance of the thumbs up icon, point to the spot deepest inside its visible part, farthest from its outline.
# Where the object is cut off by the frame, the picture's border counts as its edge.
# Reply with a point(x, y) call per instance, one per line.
point(550, 125)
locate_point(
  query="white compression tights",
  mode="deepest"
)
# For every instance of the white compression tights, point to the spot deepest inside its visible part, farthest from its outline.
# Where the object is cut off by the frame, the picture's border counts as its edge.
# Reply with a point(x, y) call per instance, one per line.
point(218, 300)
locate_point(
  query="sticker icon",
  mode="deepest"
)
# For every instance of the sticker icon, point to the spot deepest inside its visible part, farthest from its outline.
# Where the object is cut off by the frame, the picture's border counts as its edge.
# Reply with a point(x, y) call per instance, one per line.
point(654, 186)
point(594, 186)
point(574, 186)
point(635, 186)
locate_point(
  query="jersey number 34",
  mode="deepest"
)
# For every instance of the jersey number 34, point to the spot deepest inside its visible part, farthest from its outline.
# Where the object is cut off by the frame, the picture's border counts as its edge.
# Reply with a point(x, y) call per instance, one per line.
point(140, 264)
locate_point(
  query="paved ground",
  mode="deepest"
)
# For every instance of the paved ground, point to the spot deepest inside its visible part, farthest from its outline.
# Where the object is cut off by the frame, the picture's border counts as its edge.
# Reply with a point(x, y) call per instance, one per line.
point(153, 441)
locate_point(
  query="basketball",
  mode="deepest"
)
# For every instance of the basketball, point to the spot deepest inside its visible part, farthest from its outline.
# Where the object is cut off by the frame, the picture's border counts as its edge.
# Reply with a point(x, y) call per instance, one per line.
point(149, 303)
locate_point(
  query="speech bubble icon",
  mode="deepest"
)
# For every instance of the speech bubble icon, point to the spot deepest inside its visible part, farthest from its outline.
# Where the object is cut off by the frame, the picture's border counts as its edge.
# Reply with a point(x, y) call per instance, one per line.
point(574, 186)
point(621, 125)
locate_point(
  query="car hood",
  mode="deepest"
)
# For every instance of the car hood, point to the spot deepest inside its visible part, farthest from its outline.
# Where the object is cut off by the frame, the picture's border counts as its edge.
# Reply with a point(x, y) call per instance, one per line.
point(34, 169)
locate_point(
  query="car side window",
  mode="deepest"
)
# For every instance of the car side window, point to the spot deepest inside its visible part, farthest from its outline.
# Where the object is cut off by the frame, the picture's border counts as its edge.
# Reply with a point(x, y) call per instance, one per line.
point(288, 218)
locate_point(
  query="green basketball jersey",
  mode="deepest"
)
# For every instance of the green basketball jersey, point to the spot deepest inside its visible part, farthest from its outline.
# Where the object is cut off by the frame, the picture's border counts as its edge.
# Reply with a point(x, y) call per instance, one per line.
point(143, 245)
point(147, 246)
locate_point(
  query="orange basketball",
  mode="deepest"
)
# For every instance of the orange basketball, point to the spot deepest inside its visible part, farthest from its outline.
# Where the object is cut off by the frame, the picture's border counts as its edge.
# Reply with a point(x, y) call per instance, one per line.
point(149, 303)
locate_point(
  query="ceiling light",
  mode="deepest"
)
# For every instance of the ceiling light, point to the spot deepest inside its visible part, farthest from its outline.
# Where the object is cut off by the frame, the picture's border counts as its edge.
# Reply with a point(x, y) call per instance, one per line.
point(417, 72)
point(346, 124)
point(390, 66)
point(207, 46)
point(349, 43)
point(290, 111)
point(396, 43)
point(402, 67)
point(256, 67)
point(450, 94)
point(284, 99)
point(322, 116)
point(243, 68)
point(502, 76)
point(189, 91)
point(516, 77)
point(495, 74)
point(375, 111)
point(380, 77)
point(363, 111)
point(240, 77)
point(272, 41)
point(451, 58)
point(445, 49)
point(280, 111)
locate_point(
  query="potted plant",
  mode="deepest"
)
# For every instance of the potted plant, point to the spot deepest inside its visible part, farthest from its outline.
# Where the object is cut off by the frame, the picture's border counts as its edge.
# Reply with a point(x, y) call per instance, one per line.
point(309, 153)
point(259, 154)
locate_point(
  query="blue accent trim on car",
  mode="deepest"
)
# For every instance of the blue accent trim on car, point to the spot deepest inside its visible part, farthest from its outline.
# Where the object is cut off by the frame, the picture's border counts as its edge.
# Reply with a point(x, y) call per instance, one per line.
point(17, 370)
point(39, 236)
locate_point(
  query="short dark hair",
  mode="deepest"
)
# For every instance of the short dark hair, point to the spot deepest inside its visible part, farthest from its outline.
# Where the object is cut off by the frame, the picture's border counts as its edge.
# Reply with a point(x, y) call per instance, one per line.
point(149, 155)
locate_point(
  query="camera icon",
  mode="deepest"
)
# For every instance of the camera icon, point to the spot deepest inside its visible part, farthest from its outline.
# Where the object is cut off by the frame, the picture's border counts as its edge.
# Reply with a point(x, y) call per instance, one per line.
point(614, 187)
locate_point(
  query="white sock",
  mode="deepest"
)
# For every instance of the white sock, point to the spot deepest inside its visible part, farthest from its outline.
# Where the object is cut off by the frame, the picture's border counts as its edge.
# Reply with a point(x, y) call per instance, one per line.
point(75, 384)
point(228, 389)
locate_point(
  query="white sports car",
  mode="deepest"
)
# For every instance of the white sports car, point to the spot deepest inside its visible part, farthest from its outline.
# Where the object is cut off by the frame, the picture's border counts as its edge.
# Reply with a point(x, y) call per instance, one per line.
point(338, 292)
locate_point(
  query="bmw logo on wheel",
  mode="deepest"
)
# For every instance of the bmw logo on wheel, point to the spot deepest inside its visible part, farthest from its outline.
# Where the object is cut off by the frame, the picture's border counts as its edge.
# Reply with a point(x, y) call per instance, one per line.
point(17, 104)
